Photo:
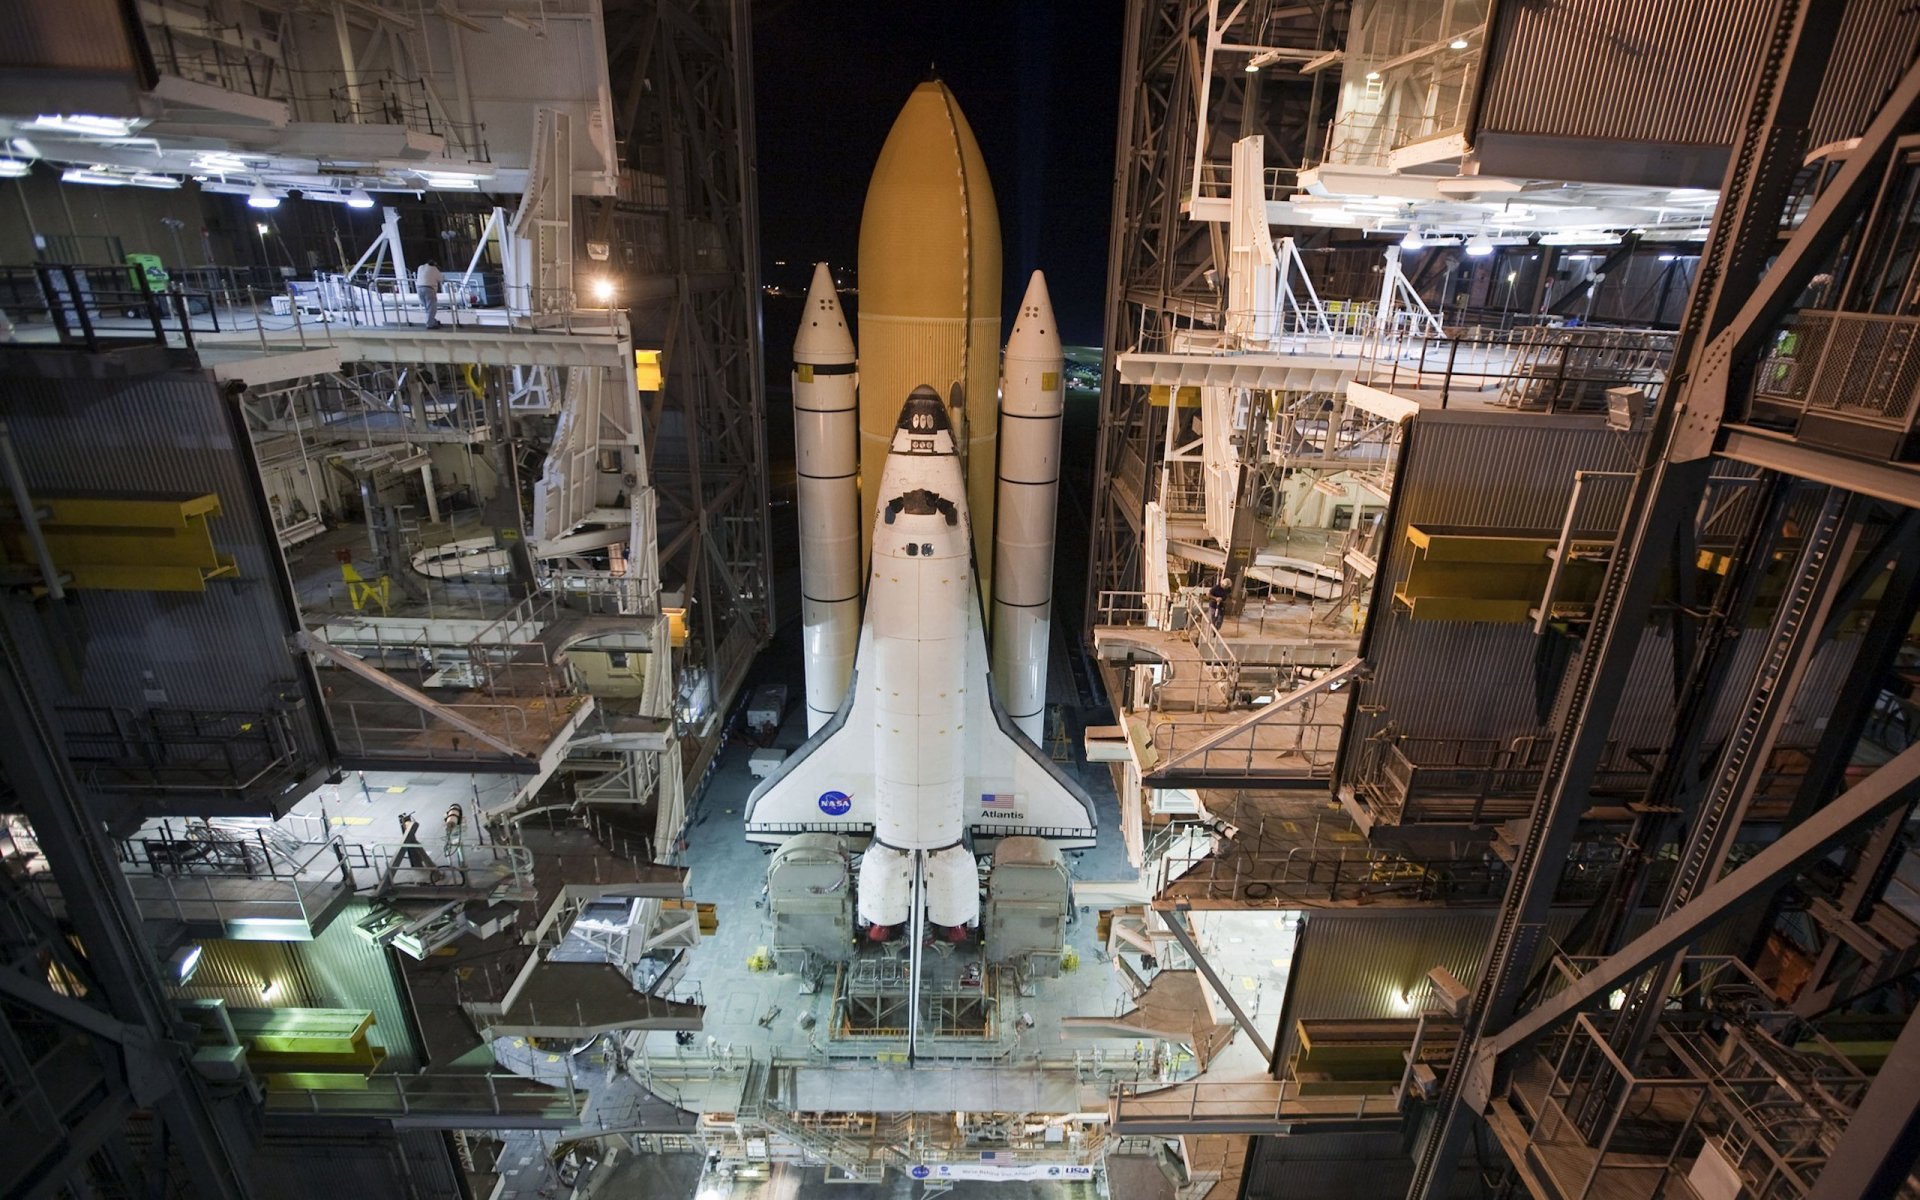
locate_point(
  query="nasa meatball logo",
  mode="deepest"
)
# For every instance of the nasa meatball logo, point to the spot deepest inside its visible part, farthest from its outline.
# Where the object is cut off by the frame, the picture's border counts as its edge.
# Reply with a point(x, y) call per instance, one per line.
point(918, 1172)
point(835, 804)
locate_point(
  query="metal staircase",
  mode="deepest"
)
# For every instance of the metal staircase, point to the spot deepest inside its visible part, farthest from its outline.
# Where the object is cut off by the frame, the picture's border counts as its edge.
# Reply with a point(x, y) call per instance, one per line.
point(863, 1160)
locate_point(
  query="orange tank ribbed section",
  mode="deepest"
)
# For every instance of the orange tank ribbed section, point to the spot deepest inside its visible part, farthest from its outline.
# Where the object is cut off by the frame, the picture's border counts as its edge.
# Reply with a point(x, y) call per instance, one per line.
point(929, 300)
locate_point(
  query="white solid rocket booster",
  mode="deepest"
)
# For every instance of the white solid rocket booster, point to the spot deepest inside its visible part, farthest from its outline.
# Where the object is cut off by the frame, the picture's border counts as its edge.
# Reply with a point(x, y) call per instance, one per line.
point(826, 437)
point(1031, 401)
point(918, 599)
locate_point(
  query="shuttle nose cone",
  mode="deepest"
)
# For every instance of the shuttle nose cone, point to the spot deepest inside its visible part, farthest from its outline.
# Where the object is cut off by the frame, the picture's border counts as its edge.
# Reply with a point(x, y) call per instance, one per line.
point(924, 413)
point(1035, 333)
point(823, 337)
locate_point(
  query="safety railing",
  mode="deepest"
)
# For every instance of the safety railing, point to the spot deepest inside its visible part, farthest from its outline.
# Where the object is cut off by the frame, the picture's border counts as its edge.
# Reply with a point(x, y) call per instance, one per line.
point(101, 307)
point(1860, 368)
point(505, 868)
point(257, 889)
point(507, 656)
point(1307, 877)
point(1540, 368)
point(1478, 782)
point(496, 1094)
point(172, 749)
point(1302, 743)
point(395, 728)
point(1276, 183)
point(1201, 1104)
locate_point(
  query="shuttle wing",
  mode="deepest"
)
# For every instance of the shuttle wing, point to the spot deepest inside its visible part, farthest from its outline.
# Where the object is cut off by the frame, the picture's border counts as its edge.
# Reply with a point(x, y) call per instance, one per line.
point(828, 783)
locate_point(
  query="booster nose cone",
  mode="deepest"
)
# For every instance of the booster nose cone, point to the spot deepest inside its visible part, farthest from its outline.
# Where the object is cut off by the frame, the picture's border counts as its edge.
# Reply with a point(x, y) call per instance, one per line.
point(824, 339)
point(1036, 335)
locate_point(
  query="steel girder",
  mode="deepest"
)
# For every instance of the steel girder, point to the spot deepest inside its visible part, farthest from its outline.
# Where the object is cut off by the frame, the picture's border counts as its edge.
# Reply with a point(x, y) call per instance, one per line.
point(683, 74)
point(153, 1066)
point(1665, 494)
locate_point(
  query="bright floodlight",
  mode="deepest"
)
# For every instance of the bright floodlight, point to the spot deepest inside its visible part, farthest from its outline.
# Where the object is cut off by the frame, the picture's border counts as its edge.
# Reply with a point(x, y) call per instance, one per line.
point(1412, 240)
point(1479, 245)
point(260, 197)
point(358, 198)
point(603, 290)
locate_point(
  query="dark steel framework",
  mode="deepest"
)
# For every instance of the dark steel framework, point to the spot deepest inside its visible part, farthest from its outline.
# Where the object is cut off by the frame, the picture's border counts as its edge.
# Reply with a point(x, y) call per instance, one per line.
point(1749, 283)
point(682, 72)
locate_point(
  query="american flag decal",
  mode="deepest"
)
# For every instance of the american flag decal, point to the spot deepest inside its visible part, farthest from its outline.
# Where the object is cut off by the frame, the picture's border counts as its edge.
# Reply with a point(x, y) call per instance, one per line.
point(996, 799)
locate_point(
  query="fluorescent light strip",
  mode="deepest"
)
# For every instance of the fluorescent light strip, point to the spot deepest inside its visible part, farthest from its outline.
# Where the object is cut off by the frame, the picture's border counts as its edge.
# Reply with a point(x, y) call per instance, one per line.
point(86, 126)
point(82, 175)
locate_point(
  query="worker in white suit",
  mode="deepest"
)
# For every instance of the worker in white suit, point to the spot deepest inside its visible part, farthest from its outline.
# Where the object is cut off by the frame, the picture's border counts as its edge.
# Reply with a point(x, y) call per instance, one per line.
point(428, 282)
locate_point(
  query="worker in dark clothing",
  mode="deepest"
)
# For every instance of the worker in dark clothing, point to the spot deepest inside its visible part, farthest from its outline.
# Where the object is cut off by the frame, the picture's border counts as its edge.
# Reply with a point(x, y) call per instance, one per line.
point(1217, 597)
point(412, 854)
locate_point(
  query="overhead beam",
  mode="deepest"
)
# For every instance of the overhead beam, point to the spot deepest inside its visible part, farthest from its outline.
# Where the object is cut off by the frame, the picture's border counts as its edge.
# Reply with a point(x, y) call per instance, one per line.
point(1266, 712)
point(1178, 923)
point(427, 704)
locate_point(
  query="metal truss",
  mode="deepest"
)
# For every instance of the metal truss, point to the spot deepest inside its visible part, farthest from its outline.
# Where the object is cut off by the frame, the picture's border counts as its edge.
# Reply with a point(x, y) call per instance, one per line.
point(1747, 284)
point(688, 206)
point(112, 1017)
point(1180, 113)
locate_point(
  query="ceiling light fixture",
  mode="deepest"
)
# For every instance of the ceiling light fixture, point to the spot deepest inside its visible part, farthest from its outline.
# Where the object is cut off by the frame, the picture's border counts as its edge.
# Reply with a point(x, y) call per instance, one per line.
point(1459, 43)
point(219, 162)
point(1372, 76)
point(151, 179)
point(98, 176)
point(1412, 240)
point(452, 182)
point(358, 198)
point(1479, 246)
point(260, 197)
point(12, 168)
point(84, 125)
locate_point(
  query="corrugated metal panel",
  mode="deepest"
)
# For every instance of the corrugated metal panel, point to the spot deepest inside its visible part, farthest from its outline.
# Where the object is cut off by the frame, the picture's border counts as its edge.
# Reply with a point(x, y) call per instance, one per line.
point(1329, 1166)
point(1877, 39)
point(1507, 472)
point(339, 969)
point(1680, 74)
point(236, 972)
point(74, 35)
point(381, 1165)
point(1624, 70)
point(223, 649)
point(1499, 472)
point(1472, 680)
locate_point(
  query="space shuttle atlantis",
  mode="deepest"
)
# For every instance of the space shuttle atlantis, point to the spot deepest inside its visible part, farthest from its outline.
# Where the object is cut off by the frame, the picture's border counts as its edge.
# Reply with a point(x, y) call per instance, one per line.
point(919, 737)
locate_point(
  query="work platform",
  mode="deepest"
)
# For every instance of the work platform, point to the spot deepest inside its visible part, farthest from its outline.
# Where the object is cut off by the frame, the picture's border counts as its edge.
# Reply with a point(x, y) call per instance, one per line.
point(453, 1100)
point(257, 357)
point(1251, 1106)
point(865, 1088)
